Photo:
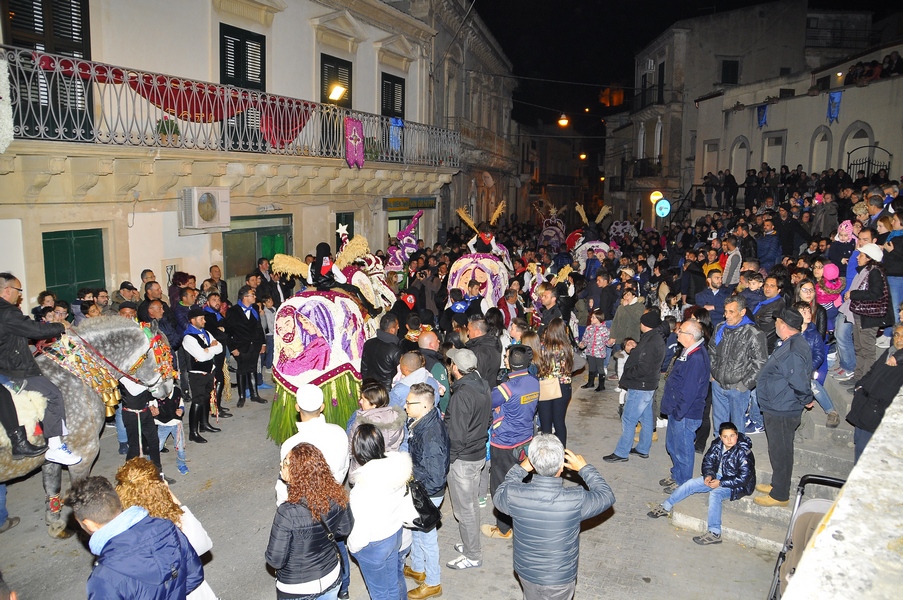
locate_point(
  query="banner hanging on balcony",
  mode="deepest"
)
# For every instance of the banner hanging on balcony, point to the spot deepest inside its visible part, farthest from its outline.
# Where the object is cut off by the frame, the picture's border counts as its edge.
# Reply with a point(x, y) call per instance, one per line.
point(354, 142)
point(281, 118)
point(395, 126)
point(834, 107)
point(762, 115)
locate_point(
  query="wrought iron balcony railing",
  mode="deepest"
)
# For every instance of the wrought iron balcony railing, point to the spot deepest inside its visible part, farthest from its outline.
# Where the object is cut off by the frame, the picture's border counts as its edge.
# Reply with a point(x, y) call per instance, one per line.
point(59, 98)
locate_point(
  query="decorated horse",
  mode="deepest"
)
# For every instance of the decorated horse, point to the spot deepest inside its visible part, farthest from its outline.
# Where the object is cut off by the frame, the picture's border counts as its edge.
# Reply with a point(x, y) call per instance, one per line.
point(587, 238)
point(86, 364)
point(552, 233)
point(488, 269)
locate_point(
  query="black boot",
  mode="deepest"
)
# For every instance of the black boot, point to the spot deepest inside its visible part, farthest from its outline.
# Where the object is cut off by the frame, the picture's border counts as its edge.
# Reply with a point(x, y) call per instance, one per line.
point(252, 386)
point(218, 391)
point(205, 418)
point(22, 448)
point(590, 381)
point(194, 421)
point(601, 386)
point(242, 387)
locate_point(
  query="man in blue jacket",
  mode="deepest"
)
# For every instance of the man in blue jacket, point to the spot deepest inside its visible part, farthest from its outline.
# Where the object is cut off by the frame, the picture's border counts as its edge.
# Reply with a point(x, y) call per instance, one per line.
point(429, 447)
point(783, 389)
point(728, 472)
point(768, 246)
point(684, 400)
point(514, 405)
point(547, 516)
point(712, 298)
point(137, 556)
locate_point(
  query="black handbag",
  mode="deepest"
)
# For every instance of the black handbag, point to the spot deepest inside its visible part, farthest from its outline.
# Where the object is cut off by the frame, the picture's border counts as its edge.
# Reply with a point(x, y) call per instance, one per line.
point(428, 513)
point(872, 308)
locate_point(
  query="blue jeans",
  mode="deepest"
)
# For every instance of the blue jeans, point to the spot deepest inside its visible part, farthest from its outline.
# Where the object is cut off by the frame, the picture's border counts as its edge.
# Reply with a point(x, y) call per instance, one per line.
point(637, 409)
point(756, 420)
point(267, 361)
point(380, 567)
point(178, 436)
point(346, 567)
point(698, 486)
point(121, 434)
point(846, 352)
point(728, 405)
point(861, 439)
point(821, 396)
point(680, 442)
point(425, 551)
point(4, 514)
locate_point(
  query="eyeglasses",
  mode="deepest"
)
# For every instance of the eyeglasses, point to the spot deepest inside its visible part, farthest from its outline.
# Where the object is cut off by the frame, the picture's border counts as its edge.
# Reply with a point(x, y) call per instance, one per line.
point(807, 290)
point(412, 403)
point(15, 288)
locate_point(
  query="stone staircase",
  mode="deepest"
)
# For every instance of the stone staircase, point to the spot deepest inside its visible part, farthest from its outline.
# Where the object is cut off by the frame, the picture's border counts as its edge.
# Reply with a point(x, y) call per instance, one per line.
point(817, 450)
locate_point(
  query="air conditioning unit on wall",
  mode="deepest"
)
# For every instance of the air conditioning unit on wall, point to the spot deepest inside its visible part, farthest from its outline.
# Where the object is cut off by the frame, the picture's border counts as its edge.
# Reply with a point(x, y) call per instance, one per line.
point(204, 210)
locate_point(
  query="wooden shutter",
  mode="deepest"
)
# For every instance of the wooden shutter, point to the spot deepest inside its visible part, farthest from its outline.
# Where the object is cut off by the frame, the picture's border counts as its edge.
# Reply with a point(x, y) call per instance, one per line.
point(55, 26)
point(242, 58)
point(332, 71)
point(392, 96)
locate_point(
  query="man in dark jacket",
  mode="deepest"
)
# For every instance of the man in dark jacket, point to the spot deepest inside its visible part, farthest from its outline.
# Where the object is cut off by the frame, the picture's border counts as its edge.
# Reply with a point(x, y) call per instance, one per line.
point(547, 516)
point(783, 389)
point(514, 404)
point(874, 393)
point(246, 342)
point(487, 348)
point(641, 374)
point(684, 400)
point(738, 350)
point(789, 232)
point(381, 354)
point(435, 364)
point(137, 556)
point(768, 247)
point(468, 419)
point(550, 308)
point(18, 365)
point(429, 447)
point(728, 473)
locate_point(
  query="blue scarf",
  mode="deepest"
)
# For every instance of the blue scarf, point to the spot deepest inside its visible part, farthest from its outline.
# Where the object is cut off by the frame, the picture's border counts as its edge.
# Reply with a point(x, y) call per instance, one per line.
point(894, 233)
point(191, 329)
point(219, 317)
point(764, 302)
point(120, 524)
point(248, 309)
point(720, 333)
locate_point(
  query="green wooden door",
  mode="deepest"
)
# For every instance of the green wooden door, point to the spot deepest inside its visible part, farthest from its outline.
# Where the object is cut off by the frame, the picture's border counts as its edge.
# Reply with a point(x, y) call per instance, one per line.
point(272, 244)
point(73, 260)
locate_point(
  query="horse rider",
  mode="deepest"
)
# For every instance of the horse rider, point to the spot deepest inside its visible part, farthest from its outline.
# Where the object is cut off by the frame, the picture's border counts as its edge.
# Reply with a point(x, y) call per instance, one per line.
point(19, 366)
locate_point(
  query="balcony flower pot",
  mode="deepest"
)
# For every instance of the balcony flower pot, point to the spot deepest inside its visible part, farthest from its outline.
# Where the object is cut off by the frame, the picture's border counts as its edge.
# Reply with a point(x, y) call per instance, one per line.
point(168, 131)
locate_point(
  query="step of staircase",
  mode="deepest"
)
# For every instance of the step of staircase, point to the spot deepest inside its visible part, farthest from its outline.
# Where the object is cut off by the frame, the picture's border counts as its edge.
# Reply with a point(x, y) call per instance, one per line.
point(822, 451)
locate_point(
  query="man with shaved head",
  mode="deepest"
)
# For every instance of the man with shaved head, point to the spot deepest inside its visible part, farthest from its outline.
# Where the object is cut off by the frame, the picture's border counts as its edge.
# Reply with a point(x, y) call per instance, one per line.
point(413, 370)
point(435, 364)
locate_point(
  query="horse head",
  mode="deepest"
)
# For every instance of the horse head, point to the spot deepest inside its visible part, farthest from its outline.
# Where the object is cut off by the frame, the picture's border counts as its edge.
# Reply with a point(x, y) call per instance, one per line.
point(139, 352)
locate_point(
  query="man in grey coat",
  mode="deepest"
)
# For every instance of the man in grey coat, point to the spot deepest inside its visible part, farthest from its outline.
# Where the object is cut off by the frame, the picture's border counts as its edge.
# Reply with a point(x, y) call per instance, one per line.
point(547, 516)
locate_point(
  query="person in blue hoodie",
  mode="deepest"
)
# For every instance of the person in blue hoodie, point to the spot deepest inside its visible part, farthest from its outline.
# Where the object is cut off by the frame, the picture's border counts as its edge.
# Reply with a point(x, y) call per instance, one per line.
point(137, 556)
point(819, 364)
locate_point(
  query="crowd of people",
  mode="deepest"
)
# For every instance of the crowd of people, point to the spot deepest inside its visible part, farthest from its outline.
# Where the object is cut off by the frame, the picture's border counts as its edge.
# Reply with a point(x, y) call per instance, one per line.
point(717, 331)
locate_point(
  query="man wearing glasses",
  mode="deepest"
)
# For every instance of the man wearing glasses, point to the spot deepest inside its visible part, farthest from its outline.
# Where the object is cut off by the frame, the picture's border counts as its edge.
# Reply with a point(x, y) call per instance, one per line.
point(683, 402)
point(18, 366)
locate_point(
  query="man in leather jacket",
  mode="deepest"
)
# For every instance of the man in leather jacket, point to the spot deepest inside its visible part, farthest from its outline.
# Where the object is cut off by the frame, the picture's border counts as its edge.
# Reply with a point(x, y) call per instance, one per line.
point(738, 351)
point(381, 354)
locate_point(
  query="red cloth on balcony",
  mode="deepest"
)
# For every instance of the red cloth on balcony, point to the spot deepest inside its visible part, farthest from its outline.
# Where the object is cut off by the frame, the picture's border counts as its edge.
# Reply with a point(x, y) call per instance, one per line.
point(281, 118)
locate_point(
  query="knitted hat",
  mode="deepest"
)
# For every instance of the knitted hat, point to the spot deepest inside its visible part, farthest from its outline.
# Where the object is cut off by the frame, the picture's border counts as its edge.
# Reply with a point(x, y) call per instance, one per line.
point(651, 320)
point(831, 272)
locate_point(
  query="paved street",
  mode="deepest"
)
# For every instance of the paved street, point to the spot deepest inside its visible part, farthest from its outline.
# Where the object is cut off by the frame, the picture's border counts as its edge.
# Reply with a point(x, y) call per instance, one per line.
point(623, 554)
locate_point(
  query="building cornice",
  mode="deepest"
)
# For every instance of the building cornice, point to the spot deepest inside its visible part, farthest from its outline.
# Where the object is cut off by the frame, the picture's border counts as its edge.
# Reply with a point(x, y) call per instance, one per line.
point(379, 14)
point(260, 11)
point(478, 37)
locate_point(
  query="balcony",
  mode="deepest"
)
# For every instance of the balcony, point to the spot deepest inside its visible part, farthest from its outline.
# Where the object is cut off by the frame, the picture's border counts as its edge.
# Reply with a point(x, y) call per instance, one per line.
point(64, 99)
point(482, 139)
point(827, 37)
point(648, 97)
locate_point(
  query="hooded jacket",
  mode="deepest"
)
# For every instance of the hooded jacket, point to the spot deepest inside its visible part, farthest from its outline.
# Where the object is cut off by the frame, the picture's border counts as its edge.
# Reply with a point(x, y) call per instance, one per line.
point(378, 499)
point(399, 392)
point(514, 405)
point(142, 558)
point(488, 349)
point(547, 519)
point(389, 420)
point(16, 360)
point(876, 391)
point(468, 417)
point(738, 354)
point(737, 465)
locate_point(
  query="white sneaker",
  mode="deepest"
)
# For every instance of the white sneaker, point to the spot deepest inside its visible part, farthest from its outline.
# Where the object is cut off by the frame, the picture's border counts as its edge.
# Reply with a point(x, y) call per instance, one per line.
point(661, 423)
point(63, 456)
point(462, 562)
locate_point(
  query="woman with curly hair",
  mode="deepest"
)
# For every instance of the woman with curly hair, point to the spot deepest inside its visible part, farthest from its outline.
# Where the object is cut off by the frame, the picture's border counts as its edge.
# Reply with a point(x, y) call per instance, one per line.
point(302, 546)
point(556, 361)
point(138, 483)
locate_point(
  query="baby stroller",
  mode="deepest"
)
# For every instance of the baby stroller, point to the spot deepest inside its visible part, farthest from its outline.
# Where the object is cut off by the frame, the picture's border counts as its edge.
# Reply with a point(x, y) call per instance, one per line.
point(803, 521)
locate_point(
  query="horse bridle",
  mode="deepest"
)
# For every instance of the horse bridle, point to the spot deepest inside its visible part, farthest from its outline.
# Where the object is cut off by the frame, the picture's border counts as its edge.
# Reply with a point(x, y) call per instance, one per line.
point(130, 373)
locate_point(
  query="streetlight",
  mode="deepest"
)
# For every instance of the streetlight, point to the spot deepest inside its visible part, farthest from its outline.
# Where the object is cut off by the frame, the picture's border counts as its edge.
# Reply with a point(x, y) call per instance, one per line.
point(336, 92)
point(583, 156)
point(656, 196)
point(563, 120)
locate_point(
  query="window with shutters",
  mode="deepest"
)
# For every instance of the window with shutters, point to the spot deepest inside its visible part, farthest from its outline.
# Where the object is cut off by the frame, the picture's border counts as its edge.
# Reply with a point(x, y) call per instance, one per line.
point(392, 96)
point(55, 26)
point(335, 71)
point(243, 64)
point(730, 72)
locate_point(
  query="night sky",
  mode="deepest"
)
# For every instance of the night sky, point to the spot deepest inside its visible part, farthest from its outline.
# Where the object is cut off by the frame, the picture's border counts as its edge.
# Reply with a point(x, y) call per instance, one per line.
point(592, 41)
